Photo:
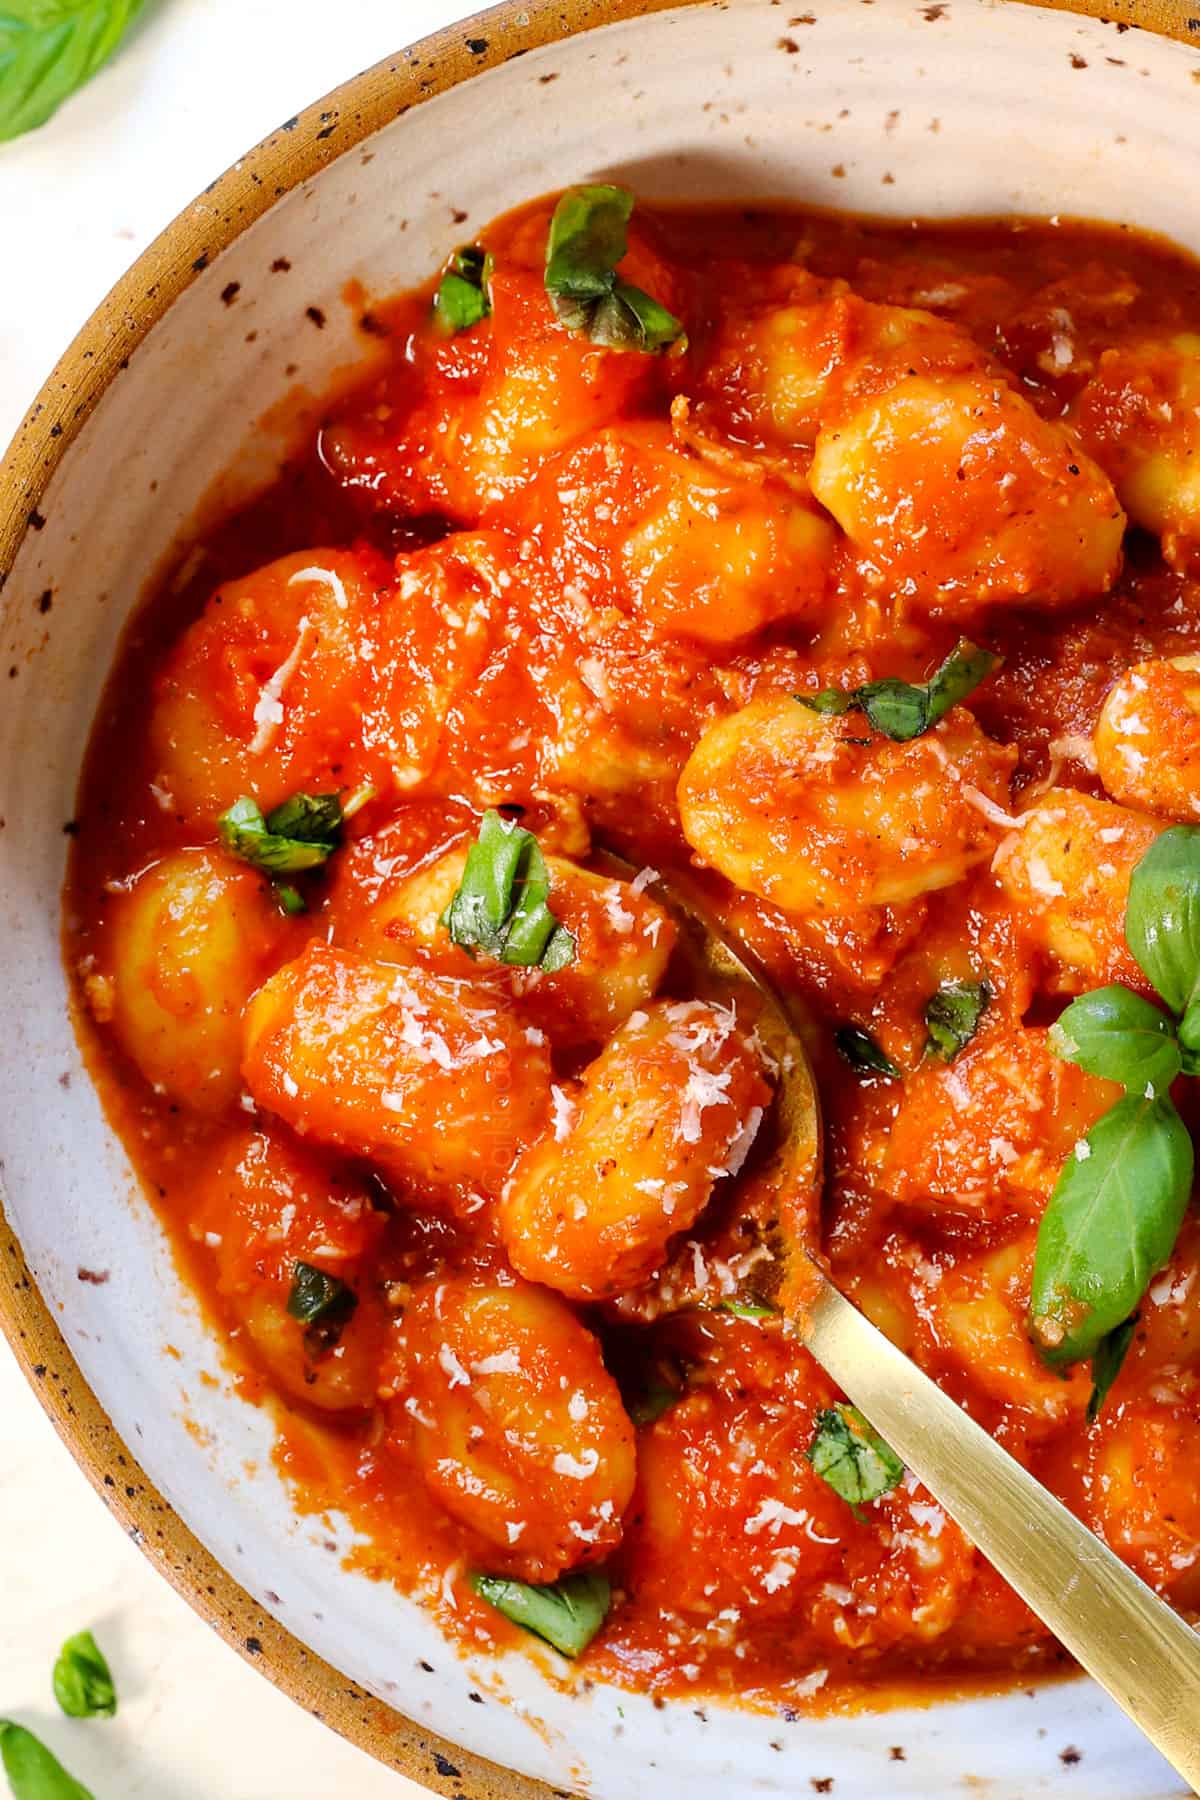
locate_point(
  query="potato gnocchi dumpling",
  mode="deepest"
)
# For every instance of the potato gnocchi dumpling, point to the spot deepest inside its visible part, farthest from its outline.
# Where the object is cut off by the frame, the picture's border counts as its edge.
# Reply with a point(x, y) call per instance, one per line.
point(957, 495)
point(623, 942)
point(430, 1078)
point(633, 1151)
point(274, 1213)
point(259, 695)
point(821, 815)
point(1066, 873)
point(517, 1425)
point(187, 942)
point(695, 550)
point(986, 1134)
point(1147, 738)
point(1139, 416)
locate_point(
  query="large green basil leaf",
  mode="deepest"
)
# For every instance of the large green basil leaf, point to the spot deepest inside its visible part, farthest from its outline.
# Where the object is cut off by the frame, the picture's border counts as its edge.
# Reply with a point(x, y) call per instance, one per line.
point(1162, 923)
point(34, 1773)
point(1114, 1033)
point(48, 49)
point(1111, 1222)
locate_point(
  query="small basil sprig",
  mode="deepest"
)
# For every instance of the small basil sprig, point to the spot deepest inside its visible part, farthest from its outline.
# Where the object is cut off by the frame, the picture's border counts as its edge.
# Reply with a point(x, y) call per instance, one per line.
point(859, 1049)
point(952, 1016)
point(463, 295)
point(587, 240)
point(83, 1683)
point(501, 907)
point(749, 1309)
point(901, 710)
point(33, 1772)
point(851, 1457)
point(567, 1614)
point(1120, 1199)
point(48, 51)
point(322, 1303)
point(301, 833)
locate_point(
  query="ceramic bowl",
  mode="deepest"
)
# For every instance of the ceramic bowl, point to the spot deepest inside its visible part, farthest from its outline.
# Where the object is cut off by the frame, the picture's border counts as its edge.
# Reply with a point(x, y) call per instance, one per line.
point(153, 418)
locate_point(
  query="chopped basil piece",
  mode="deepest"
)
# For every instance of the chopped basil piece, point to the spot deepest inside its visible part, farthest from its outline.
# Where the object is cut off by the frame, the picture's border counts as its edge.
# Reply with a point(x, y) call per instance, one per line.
point(860, 1050)
point(463, 294)
point(322, 1303)
point(901, 710)
point(749, 1309)
point(952, 1016)
point(1109, 1226)
point(33, 1772)
point(1115, 1034)
point(83, 1683)
point(1106, 1365)
point(567, 1614)
point(301, 833)
point(851, 1457)
point(501, 903)
point(587, 240)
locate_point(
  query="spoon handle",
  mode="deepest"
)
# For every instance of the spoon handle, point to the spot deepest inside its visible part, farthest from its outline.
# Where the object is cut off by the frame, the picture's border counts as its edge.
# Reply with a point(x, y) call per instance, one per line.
point(1146, 1657)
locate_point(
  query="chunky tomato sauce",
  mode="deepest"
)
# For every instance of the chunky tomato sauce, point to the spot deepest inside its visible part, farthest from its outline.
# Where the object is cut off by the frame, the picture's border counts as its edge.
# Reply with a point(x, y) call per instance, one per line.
point(583, 584)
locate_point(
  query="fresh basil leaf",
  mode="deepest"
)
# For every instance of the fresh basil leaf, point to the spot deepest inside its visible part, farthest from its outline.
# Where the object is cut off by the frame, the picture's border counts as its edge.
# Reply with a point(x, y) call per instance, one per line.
point(749, 1309)
point(47, 51)
point(33, 1772)
point(244, 831)
point(860, 1050)
point(1110, 1224)
point(586, 241)
point(501, 906)
point(1162, 923)
point(1114, 1033)
point(567, 1614)
point(902, 710)
point(952, 1016)
point(851, 1457)
point(291, 900)
point(307, 819)
point(323, 1304)
point(1111, 1352)
point(463, 295)
point(83, 1683)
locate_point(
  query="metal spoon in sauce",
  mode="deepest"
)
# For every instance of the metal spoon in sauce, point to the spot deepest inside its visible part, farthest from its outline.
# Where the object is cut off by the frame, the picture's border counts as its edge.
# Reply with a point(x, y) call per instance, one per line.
point(1129, 1640)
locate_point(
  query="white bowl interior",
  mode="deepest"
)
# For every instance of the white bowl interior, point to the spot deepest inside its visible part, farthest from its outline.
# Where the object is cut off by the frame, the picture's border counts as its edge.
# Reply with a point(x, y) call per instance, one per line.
point(973, 108)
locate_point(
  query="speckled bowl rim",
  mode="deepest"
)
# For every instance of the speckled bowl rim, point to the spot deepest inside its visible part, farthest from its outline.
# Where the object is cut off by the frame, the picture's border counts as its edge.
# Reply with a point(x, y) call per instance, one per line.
point(294, 153)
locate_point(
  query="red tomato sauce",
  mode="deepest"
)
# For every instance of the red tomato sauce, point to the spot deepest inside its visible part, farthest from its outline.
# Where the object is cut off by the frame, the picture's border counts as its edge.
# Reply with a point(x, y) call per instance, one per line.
point(523, 570)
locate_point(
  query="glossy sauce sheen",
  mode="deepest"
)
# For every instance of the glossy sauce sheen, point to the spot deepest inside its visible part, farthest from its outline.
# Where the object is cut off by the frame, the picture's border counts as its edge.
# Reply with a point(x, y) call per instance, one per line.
point(557, 570)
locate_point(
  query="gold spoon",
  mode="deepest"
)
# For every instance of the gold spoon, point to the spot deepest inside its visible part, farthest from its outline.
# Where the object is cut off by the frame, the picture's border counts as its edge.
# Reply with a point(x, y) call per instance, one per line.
point(1140, 1651)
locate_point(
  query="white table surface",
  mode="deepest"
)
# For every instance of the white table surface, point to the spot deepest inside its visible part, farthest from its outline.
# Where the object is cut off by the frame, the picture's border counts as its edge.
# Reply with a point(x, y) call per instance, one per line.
point(198, 83)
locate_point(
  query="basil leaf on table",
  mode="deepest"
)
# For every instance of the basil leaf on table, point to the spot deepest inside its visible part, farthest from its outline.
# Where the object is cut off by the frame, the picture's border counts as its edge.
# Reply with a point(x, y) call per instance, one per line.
point(851, 1457)
point(1110, 1224)
point(501, 905)
point(83, 1683)
point(1111, 1352)
point(1114, 1033)
point(859, 1049)
point(1162, 924)
point(47, 51)
point(567, 1614)
point(902, 710)
point(586, 241)
point(952, 1016)
point(33, 1772)
point(462, 298)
